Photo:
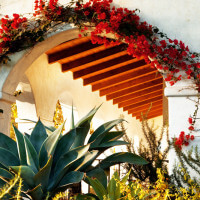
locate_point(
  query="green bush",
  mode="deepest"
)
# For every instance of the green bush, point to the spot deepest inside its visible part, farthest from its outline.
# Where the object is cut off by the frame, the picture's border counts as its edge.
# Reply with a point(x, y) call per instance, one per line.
point(49, 164)
point(150, 149)
point(136, 190)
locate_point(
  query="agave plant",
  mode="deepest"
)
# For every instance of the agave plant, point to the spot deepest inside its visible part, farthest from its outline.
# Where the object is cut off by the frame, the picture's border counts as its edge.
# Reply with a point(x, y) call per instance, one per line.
point(50, 163)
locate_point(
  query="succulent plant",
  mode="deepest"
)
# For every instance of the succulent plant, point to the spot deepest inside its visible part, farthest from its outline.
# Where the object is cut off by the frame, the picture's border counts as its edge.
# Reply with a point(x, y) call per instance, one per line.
point(50, 163)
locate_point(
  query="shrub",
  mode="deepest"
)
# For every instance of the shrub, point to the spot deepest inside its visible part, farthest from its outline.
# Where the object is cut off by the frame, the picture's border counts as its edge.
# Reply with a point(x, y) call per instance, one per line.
point(49, 164)
point(151, 151)
point(135, 190)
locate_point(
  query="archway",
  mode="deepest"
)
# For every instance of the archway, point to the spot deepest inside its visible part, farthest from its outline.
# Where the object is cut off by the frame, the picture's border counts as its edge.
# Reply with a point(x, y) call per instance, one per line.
point(36, 59)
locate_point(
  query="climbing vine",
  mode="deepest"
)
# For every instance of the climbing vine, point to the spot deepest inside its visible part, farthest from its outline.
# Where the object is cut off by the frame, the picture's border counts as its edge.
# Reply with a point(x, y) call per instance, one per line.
point(99, 18)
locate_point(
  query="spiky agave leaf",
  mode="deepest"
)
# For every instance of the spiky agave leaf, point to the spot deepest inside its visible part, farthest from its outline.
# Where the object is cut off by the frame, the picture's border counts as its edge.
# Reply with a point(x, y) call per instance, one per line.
point(8, 143)
point(57, 160)
point(20, 146)
point(38, 136)
point(49, 145)
point(83, 127)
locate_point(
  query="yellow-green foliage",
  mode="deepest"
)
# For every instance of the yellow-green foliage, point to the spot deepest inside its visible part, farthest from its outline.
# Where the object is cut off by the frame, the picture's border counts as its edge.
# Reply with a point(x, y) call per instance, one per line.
point(60, 195)
point(135, 190)
point(13, 185)
point(58, 115)
point(160, 190)
point(13, 118)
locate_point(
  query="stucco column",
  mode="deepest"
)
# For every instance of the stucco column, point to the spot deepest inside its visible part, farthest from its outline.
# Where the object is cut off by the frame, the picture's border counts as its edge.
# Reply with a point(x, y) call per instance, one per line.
point(5, 115)
point(181, 105)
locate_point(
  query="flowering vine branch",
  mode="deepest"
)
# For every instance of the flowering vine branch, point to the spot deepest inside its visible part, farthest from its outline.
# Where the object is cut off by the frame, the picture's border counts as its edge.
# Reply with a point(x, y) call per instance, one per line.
point(143, 40)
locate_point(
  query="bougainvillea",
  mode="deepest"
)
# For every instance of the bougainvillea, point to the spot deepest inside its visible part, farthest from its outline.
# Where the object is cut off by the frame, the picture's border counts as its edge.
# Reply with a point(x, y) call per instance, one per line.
point(142, 39)
point(183, 139)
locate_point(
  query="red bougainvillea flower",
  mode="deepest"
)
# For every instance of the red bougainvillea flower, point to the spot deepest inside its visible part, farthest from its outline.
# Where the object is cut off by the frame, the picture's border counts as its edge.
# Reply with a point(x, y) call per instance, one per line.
point(86, 13)
point(172, 83)
point(183, 140)
point(182, 134)
point(186, 143)
point(16, 16)
point(175, 42)
point(190, 120)
point(5, 39)
point(192, 137)
point(102, 16)
point(191, 128)
point(193, 56)
point(187, 137)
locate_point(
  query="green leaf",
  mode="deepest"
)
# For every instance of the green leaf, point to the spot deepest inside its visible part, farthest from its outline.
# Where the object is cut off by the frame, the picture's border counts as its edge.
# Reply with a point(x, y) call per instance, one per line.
point(66, 161)
point(125, 178)
point(98, 188)
point(70, 178)
point(27, 135)
point(102, 130)
point(121, 158)
point(99, 174)
point(81, 133)
point(36, 193)
point(70, 158)
point(72, 119)
point(111, 144)
point(86, 197)
point(42, 177)
point(87, 157)
point(26, 173)
point(7, 158)
point(20, 146)
point(49, 129)
point(49, 146)
point(2, 183)
point(4, 174)
point(114, 189)
point(114, 135)
point(87, 118)
point(64, 144)
point(9, 144)
point(38, 136)
point(31, 155)
point(3, 166)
